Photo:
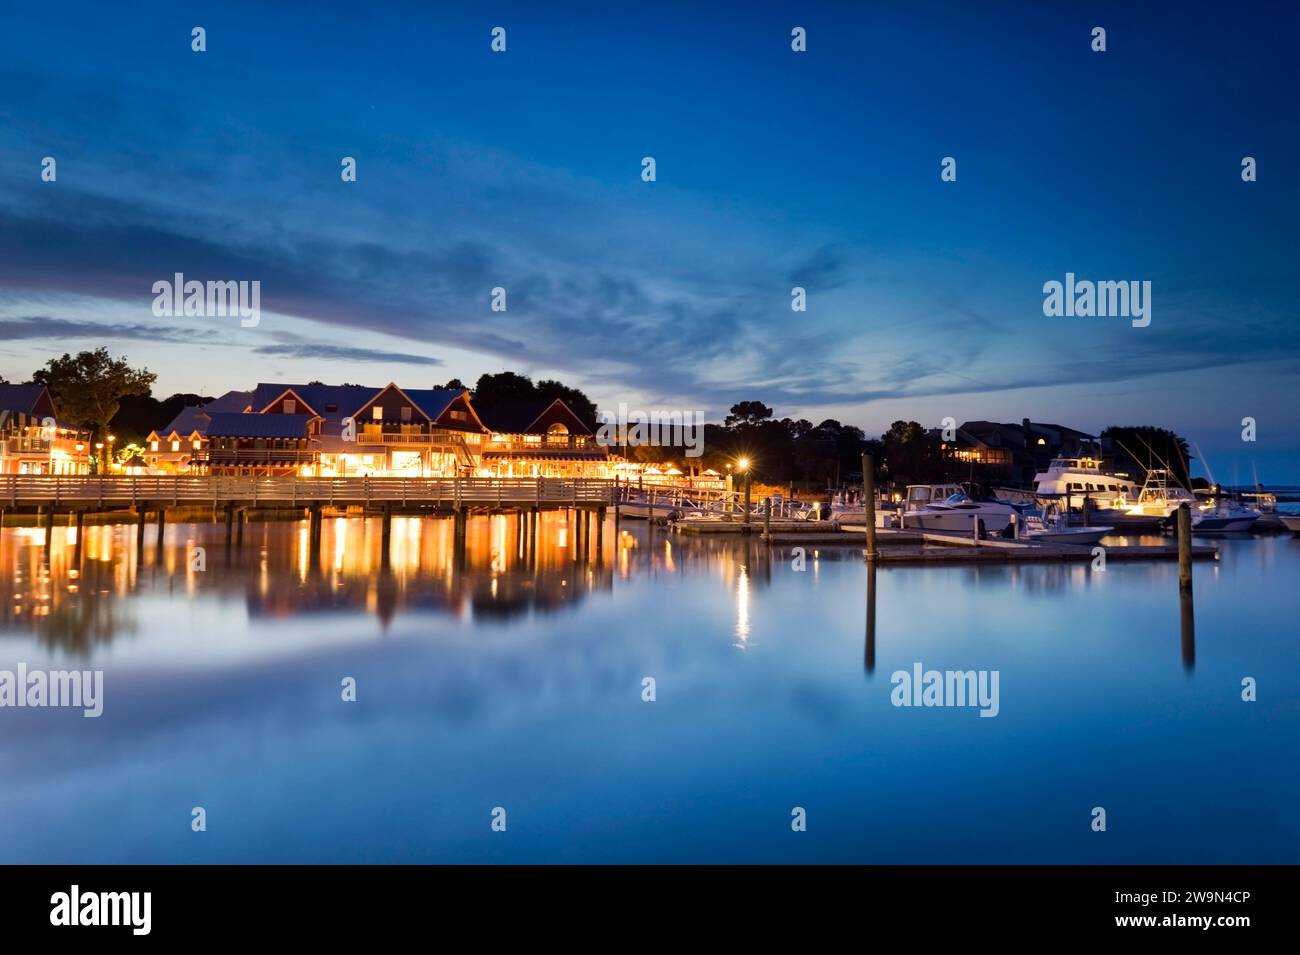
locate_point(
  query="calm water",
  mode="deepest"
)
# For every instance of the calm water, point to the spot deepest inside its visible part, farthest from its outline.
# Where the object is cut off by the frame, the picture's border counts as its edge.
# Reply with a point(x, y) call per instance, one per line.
point(486, 682)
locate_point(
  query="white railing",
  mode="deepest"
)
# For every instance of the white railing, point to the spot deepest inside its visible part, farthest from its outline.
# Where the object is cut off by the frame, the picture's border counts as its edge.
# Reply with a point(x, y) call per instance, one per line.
point(37, 489)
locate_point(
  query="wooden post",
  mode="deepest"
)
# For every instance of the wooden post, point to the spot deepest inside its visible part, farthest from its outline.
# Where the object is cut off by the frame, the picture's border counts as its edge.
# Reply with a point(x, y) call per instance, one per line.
point(767, 518)
point(600, 532)
point(748, 482)
point(869, 503)
point(1015, 526)
point(1184, 548)
point(230, 525)
point(48, 522)
point(1087, 510)
point(386, 537)
point(975, 527)
point(139, 530)
point(869, 652)
point(162, 524)
point(241, 518)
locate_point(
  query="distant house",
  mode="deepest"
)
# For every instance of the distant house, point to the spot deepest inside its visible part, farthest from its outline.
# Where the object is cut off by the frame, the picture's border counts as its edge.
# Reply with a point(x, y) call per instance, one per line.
point(32, 438)
point(1015, 453)
point(540, 439)
point(179, 448)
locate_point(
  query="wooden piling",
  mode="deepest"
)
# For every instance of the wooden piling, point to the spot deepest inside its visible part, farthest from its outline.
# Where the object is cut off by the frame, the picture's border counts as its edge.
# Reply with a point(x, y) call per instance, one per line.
point(748, 484)
point(48, 522)
point(1184, 548)
point(386, 538)
point(869, 503)
point(139, 531)
point(767, 518)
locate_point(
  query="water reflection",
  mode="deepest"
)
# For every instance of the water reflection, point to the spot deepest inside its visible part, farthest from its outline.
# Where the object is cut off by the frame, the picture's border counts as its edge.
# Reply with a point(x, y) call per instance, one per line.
point(78, 590)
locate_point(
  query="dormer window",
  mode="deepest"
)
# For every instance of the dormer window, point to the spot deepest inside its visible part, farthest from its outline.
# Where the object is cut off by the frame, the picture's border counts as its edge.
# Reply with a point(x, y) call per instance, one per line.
point(406, 412)
point(290, 406)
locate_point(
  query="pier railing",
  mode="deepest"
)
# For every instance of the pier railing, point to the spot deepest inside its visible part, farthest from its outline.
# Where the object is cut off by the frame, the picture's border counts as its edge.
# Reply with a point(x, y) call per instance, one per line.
point(36, 490)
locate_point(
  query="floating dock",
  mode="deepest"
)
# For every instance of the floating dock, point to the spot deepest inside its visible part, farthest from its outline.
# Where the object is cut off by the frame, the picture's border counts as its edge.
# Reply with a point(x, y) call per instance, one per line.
point(926, 547)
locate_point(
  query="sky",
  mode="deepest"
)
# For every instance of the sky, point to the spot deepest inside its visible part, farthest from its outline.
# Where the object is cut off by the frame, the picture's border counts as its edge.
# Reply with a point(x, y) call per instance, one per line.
point(774, 169)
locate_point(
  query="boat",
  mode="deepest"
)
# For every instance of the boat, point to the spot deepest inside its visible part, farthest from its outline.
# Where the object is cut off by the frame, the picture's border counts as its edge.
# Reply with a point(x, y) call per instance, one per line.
point(1224, 517)
point(1290, 521)
point(1053, 527)
point(1075, 478)
point(958, 513)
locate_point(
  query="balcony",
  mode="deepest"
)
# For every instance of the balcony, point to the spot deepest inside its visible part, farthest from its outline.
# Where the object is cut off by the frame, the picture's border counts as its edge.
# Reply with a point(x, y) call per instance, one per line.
point(15, 446)
point(253, 456)
point(551, 443)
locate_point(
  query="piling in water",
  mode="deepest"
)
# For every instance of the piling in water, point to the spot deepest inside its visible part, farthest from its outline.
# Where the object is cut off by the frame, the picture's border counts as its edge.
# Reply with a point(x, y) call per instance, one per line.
point(869, 502)
point(1184, 548)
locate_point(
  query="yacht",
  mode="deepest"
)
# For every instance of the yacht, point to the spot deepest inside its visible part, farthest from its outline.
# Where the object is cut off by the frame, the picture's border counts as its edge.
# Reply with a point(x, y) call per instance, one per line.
point(1290, 521)
point(1224, 517)
point(955, 514)
point(1071, 479)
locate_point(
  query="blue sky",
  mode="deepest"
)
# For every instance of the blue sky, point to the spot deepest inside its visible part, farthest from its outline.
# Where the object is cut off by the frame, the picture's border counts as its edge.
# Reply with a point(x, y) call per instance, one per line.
point(775, 169)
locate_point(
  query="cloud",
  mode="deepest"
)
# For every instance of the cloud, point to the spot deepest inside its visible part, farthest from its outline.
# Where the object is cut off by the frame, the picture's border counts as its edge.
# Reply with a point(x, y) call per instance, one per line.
point(42, 327)
point(308, 350)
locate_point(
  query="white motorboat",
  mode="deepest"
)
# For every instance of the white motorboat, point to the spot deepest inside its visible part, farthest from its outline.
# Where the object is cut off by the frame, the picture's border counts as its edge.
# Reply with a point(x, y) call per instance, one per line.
point(1073, 479)
point(1157, 500)
point(1224, 517)
point(1052, 527)
point(957, 514)
point(1290, 521)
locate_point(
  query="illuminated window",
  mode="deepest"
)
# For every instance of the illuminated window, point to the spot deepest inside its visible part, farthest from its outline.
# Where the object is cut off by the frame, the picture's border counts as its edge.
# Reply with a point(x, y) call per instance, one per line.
point(153, 445)
point(457, 415)
point(377, 413)
point(406, 412)
point(290, 406)
point(176, 445)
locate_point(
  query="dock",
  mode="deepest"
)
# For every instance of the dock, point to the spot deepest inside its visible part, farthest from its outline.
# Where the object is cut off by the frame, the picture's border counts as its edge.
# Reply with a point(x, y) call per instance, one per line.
point(927, 547)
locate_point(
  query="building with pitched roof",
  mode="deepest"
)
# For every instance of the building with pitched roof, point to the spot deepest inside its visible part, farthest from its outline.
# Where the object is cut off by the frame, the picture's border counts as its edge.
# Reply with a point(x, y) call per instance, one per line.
point(540, 438)
point(326, 431)
point(32, 438)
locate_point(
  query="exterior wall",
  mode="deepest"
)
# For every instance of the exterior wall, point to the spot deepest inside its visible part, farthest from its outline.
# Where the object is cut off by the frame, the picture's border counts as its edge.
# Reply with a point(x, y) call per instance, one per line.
point(31, 449)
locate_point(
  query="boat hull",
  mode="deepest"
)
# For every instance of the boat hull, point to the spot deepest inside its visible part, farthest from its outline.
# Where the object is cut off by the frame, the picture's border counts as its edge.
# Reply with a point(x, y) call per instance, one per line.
point(1075, 535)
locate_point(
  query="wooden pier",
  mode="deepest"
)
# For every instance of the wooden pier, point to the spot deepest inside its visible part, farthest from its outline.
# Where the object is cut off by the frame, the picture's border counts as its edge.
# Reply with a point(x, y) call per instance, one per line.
point(32, 491)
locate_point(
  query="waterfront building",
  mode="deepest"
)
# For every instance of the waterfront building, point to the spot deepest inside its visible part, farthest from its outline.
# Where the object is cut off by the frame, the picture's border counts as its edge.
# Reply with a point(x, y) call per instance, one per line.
point(541, 438)
point(32, 438)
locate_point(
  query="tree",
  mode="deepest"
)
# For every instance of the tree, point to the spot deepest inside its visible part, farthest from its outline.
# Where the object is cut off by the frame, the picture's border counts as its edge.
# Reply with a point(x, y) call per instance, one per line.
point(1148, 447)
point(505, 386)
point(88, 388)
point(511, 386)
point(912, 453)
point(454, 385)
point(747, 413)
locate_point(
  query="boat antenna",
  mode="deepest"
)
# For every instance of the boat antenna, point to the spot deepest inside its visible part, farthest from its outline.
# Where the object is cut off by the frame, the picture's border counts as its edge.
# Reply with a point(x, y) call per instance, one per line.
point(1205, 461)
